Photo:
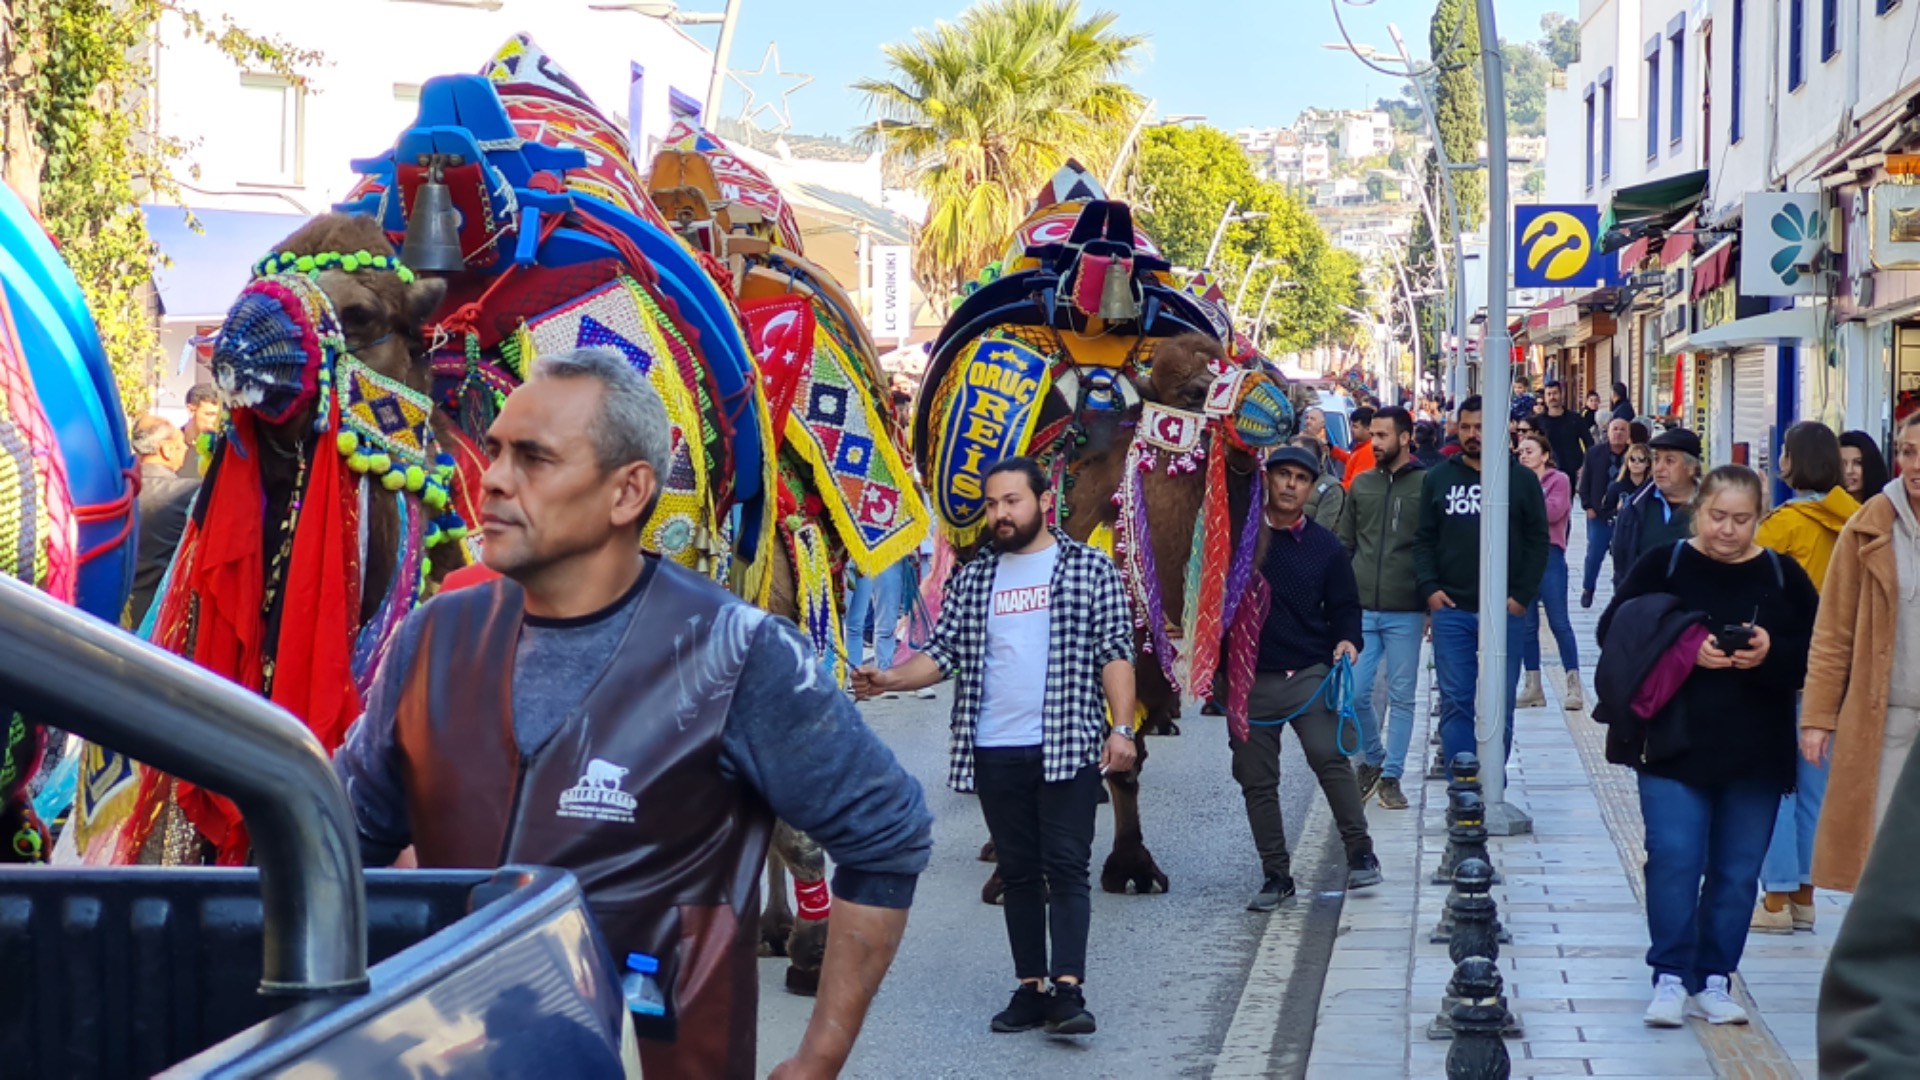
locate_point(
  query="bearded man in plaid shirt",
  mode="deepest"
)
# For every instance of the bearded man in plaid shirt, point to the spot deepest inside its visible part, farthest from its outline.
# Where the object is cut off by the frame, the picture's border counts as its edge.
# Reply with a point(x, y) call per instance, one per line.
point(1037, 632)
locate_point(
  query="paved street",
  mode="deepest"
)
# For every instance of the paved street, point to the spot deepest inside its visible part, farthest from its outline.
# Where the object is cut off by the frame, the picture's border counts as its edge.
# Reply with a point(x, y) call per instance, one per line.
point(1165, 974)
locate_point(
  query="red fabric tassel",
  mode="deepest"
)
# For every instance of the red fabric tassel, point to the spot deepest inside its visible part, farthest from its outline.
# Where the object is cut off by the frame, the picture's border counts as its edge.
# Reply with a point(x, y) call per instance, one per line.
point(313, 665)
point(1243, 655)
point(1217, 535)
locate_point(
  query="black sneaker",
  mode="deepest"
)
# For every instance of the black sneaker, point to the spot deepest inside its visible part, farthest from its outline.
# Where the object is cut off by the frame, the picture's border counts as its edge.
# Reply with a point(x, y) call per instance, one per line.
point(1067, 1011)
point(1274, 893)
point(1362, 870)
point(1586, 598)
point(1028, 1010)
point(1368, 777)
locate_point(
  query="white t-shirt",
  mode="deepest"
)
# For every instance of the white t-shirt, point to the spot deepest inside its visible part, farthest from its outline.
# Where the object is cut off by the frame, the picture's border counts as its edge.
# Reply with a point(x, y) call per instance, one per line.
point(1014, 686)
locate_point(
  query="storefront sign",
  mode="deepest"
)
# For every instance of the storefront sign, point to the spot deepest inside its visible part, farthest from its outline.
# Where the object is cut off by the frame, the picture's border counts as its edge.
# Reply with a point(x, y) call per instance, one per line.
point(1781, 237)
point(892, 302)
point(1895, 209)
point(1675, 305)
point(1716, 307)
point(1557, 246)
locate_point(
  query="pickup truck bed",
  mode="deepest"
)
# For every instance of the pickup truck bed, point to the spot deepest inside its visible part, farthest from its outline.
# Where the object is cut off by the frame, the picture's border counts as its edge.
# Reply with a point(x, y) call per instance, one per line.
point(116, 973)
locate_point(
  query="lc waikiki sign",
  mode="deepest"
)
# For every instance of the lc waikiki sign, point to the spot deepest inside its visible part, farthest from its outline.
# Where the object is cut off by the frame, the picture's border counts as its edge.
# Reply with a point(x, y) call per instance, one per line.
point(1557, 246)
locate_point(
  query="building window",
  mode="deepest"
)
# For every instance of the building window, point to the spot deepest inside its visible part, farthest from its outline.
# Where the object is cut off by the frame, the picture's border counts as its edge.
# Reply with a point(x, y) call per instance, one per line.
point(1829, 28)
point(272, 109)
point(1881, 7)
point(1736, 102)
point(1592, 132)
point(1606, 123)
point(1677, 77)
point(1796, 39)
point(1653, 99)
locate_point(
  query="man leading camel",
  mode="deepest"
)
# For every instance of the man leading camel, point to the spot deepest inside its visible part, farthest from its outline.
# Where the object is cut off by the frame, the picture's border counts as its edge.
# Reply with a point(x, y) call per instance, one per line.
point(617, 715)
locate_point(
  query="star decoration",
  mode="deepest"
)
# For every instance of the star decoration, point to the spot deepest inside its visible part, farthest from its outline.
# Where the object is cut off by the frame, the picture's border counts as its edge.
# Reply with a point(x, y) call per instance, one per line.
point(783, 112)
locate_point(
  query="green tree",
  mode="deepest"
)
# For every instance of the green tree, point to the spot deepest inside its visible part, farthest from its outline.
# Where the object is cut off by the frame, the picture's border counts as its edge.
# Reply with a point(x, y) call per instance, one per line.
point(80, 149)
point(1528, 74)
point(1560, 39)
point(1458, 100)
point(1187, 176)
point(981, 112)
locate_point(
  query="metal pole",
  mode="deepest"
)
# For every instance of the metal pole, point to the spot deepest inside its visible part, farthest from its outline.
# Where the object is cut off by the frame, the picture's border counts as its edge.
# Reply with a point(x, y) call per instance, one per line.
point(1260, 326)
point(1495, 688)
point(1218, 232)
point(1413, 313)
point(1457, 368)
point(1126, 148)
point(717, 85)
point(1247, 279)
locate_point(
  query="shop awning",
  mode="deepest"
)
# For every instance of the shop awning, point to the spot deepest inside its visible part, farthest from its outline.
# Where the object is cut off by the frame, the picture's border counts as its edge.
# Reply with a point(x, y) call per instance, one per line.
point(1786, 327)
point(1668, 198)
point(210, 267)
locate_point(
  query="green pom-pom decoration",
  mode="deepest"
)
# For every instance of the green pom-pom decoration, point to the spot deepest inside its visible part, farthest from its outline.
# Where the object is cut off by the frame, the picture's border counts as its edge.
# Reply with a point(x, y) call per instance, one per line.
point(458, 532)
point(393, 480)
point(435, 499)
point(382, 463)
point(406, 275)
point(365, 259)
point(305, 263)
point(359, 462)
point(416, 478)
point(349, 263)
point(348, 442)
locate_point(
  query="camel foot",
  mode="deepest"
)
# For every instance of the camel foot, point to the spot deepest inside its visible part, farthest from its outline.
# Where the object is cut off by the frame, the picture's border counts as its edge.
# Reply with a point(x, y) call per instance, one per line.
point(804, 982)
point(774, 934)
point(1132, 870)
point(987, 853)
point(1162, 727)
point(807, 948)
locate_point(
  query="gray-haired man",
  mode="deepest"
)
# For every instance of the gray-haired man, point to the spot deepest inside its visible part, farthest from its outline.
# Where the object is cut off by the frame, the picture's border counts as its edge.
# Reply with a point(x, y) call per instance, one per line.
point(614, 714)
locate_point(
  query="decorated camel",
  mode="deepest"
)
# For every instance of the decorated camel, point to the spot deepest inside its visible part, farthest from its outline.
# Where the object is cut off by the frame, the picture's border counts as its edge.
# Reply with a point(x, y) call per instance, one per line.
point(541, 239)
point(66, 489)
point(1150, 415)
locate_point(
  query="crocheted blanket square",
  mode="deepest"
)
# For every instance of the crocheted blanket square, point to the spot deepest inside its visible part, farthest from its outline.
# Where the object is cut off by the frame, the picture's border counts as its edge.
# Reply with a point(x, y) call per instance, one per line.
point(867, 489)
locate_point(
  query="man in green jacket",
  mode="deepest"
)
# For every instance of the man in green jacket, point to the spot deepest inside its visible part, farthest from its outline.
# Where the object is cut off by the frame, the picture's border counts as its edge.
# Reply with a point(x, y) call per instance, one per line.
point(1446, 559)
point(1377, 529)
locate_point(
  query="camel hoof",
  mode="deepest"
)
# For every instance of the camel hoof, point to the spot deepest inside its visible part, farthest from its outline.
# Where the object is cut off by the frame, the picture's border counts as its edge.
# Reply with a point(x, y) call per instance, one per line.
point(987, 854)
point(803, 982)
point(1162, 727)
point(774, 935)
point(1133, 871)
point(807, 947)
point(994, 891)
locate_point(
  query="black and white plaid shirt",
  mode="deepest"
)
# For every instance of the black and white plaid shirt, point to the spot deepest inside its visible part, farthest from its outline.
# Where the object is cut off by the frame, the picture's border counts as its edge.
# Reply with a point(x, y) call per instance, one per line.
point(1089, 626)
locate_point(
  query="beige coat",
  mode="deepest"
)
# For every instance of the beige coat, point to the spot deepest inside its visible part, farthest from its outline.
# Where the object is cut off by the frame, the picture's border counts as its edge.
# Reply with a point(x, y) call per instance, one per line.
point(1848, 672)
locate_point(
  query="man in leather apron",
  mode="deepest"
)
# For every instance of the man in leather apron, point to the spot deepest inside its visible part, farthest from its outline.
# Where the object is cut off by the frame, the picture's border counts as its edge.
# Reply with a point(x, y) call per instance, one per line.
point(615, 714)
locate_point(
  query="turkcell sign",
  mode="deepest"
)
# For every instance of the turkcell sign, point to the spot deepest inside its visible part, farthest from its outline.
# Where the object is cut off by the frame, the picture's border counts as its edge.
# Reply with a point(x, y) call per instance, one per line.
point(891, 290)
point(1557, 246)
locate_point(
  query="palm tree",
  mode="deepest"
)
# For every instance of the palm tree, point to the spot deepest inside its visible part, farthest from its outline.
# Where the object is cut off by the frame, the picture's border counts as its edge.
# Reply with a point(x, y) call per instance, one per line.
point(982, 112)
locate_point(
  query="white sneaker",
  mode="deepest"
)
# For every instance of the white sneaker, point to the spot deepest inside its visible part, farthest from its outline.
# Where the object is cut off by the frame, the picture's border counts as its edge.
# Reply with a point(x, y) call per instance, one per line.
point(1668, 1008)
point(1714, 1005)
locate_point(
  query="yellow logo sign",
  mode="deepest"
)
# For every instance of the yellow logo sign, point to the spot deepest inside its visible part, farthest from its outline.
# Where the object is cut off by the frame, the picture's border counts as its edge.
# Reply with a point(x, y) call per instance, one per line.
point(1560, 241)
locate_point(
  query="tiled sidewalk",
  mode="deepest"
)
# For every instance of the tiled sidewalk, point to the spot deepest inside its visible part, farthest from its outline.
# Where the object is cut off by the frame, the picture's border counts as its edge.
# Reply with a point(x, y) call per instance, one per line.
point(1575, 973)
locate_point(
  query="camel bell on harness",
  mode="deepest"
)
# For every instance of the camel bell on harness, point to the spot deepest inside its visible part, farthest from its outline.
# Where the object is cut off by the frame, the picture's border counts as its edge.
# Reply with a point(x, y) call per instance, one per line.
point(433, 228)
point(1116, 293)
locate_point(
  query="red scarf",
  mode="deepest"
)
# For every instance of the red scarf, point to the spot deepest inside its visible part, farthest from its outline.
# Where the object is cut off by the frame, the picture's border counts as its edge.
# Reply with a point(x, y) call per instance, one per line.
point(320, 611)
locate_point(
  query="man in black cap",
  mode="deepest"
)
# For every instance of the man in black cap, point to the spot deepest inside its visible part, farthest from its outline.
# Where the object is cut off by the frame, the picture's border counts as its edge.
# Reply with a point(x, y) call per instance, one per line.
point(1663, 512)
point(1312, 622)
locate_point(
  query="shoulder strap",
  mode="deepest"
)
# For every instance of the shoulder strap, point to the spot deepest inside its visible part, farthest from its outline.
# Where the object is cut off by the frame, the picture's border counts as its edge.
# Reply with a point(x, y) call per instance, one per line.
point(1674, 562)
point(1779, 575)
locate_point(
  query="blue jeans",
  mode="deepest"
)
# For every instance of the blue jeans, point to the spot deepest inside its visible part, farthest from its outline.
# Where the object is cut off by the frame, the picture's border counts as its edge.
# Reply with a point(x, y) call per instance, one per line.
point(1789, 861)
point(1599, 539)
point(881, 595)
point(1553, 597)
point(1456, 664)
point(1392, 637)
point(1719, 834)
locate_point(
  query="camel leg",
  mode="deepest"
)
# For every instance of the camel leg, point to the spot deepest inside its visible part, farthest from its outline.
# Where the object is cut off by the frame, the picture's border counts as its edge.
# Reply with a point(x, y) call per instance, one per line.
point(807, 944)
point(776, 917)
point(1130, 864)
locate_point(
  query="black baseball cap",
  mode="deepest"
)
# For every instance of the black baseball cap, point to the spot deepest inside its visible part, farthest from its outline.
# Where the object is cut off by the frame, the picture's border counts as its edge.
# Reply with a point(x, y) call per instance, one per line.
point(1293, 455)
point(1677, 439)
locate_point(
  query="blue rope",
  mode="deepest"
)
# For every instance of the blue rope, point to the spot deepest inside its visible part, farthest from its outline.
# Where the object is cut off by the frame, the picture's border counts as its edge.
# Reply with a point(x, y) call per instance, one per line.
point(1337, 688)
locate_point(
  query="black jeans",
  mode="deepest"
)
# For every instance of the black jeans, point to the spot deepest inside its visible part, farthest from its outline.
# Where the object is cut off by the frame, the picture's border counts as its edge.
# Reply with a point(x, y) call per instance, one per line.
point(1043, 835)
point(1256, 765)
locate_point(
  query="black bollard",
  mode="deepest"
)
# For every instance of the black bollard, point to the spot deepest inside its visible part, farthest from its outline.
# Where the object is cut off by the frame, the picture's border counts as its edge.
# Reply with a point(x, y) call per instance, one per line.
point(1465, 777)
point(1466, 833)
point(1479, 1019)
point(1473, 920)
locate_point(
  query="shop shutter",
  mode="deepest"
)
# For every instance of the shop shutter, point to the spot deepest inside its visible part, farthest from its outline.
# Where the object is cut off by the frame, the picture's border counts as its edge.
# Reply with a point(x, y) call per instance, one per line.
point(1750, 414)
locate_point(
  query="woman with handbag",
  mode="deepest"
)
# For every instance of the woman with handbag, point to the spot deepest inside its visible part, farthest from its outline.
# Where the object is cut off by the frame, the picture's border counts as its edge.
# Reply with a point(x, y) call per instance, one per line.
point(1718, 755)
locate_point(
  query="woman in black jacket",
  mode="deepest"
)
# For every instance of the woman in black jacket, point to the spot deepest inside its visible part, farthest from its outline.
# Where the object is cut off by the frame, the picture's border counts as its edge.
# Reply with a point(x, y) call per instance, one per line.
point(1710, 794)
point(1636, 472)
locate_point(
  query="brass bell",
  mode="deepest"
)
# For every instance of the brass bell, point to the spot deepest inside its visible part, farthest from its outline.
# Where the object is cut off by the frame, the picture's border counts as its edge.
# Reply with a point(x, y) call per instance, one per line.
point(1116, 294)
point(433, 228)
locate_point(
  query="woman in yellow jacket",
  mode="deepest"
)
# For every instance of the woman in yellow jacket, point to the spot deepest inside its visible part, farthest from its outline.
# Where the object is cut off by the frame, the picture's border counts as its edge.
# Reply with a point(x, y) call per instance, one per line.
point(1805, 528)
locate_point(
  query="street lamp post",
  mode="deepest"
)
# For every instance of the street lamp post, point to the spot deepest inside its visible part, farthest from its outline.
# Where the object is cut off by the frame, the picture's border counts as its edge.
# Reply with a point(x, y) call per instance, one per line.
point(1494, 690)
point(1246, 279)
point(1140, 124)
point(1260, 326)
point(1220, 230)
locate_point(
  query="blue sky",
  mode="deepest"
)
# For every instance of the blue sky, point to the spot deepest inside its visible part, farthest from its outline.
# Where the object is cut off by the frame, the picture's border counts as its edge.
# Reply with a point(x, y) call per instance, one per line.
point(1240, 62)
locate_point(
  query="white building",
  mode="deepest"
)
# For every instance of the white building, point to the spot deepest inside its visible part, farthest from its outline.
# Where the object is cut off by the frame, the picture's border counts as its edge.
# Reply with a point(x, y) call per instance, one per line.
point(271, 152)
point(1366, 134)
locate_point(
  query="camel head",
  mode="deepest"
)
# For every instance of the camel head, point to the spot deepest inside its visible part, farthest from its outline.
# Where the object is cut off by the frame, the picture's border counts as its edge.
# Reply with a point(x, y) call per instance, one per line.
point(1182, 369)
point(335, 281)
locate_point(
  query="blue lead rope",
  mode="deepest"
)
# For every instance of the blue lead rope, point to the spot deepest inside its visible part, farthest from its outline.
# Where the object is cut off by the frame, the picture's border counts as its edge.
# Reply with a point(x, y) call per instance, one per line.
point(1337, 688)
